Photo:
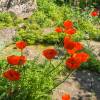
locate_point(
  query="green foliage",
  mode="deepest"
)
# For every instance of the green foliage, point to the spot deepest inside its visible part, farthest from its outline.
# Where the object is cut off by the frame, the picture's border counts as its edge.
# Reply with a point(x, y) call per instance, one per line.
point(39, 17)
point(5, 20)
point(9, 19)
point(53, 38)
point(32, 36)
point(32, 85)
point(80, 3)
point(36, 78)
point(93, 64)
point(49, 14)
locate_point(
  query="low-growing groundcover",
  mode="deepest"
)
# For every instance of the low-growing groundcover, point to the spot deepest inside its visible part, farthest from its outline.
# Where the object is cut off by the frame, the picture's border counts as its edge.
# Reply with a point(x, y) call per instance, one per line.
point(48, 16)
point(22, 79)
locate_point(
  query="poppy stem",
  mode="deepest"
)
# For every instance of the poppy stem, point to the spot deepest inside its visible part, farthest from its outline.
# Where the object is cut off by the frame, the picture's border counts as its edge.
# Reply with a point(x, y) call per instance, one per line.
point(10, 89)
point(57, 66)
point(70, 73)
point(7, 65)
point(51, 64)
point(21, 52)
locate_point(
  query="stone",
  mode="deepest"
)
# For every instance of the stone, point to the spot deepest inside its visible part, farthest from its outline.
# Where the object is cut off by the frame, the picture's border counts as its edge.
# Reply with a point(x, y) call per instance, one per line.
point(48, 30)
point(32, 52)
point(22, 8)
point(6, 37)
point(94, 47)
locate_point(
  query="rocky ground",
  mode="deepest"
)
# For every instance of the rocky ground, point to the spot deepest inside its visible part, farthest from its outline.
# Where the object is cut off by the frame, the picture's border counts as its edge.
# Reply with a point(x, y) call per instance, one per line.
point(82, 85)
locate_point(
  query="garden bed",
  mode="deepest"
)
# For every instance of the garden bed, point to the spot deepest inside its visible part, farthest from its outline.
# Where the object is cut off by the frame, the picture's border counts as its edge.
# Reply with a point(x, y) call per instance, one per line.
point(52, 54)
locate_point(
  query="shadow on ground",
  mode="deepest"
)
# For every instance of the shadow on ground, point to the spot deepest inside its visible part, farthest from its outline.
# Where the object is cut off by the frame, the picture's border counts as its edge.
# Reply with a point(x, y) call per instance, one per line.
point(89, 81)
point(82, 85)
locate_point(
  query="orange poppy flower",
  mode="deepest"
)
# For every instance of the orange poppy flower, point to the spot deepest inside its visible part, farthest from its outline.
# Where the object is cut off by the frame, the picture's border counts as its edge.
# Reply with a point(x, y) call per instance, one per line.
point(50, 53)
point(73, 63)
point(16, 60)
point(21, 44)
point(94, 13)
point(70, 31)
point(82, 56)
point(13, 60)
point(58, 30)
point(68, 24)
point(71, 51)
point(77, 46)
point(66, 97)
point(22, 60)
point(11, 75)
point(68, 43)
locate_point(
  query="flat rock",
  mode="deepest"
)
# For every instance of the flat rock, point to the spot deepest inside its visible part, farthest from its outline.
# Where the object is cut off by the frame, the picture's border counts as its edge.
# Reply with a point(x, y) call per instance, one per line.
point(94, 46)
point(32, 52)
point(48, 30)
point(22, 8)
point(6, 36)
